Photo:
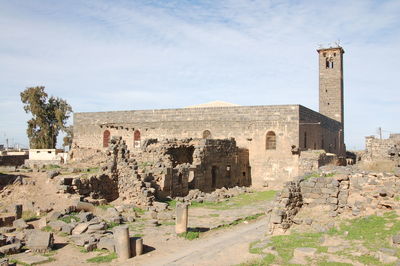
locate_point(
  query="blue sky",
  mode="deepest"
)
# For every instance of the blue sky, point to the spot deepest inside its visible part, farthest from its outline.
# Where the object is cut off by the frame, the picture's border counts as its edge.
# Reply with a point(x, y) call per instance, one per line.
point(123, 55)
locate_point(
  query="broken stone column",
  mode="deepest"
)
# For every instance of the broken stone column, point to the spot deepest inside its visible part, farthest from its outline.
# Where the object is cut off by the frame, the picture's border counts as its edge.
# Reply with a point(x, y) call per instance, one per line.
point(181, 218)
point(122, 242)
point(18, 211)
point(136, 246)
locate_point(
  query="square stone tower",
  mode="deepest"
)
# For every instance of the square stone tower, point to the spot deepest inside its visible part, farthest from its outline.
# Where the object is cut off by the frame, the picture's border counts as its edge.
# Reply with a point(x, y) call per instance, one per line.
point(331, 103)
point(331, 82)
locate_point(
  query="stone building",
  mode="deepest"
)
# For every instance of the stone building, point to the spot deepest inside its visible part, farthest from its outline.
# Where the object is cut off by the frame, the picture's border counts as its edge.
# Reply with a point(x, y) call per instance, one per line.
point(382, 149)
point(274, 135)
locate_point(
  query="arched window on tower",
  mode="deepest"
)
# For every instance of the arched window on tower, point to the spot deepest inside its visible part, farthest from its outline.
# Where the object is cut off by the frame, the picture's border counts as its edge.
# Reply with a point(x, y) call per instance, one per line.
point(206, 134)
point(136, 139)
point(270, 141)
point(106, 138)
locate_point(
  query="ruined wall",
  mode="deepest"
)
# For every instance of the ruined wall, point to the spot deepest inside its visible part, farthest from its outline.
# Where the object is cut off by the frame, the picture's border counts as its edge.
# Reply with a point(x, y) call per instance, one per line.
point(380, 149)
point(311, 160)
point(247, 124)
point(349, 193)
point(12, 160)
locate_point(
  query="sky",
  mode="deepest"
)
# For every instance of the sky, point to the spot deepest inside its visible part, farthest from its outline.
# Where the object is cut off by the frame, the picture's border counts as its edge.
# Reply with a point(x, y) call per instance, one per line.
point(128, 55)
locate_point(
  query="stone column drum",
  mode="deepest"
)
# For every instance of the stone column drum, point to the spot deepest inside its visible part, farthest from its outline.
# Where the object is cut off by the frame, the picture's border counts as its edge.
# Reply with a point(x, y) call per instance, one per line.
point(122, 242)
point(18, 211)
point(181, 218)
point(136, 246)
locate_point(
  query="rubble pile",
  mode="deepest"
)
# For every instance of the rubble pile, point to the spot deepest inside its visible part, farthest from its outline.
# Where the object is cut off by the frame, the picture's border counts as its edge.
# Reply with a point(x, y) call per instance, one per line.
point(340, 190)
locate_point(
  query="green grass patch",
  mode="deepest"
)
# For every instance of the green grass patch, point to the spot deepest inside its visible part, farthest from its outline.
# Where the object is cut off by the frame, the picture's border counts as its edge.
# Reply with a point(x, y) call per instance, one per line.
point(190, 235)
point(241, 220)
point(52, 166)
point(237, 201)
point(29, 216)
point(47, 228)
point(92, 170)
point(371, 230)
point(112, 225)
point(70, 218)
point(285, 244)
point(139, 210)
point(266, 260)
point(213, 215)
point(103, 258)
point(105, 206)
point(138, 235)
point(167, 223)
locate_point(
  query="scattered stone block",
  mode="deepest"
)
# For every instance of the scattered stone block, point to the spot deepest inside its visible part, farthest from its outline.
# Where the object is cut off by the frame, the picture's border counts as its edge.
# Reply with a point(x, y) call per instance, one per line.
point(80, 228)
point(55, 216)
point(57, 225)
point(52, 174)
point(42, 223)
point(4, 262)
point(39, 241)
point(30, 259)
point(84, 206)
point(304, 252)
point(106, 243)
point(20, 224)
point(386, 259)
point(396, 239)
point(11, 248)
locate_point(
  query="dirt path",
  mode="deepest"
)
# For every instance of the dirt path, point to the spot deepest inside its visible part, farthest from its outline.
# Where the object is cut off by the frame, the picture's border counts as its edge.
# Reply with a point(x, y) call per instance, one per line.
point(222, 247)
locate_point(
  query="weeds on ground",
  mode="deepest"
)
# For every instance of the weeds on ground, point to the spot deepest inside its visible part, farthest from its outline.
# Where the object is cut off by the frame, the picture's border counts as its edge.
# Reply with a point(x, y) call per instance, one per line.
point(316, 174)
point(372, 232)
point(190, 235)
point(103, 258)
point(29, 216)
point(70, 218)
point(139, 210)
point(105, 206)
point(231, 203)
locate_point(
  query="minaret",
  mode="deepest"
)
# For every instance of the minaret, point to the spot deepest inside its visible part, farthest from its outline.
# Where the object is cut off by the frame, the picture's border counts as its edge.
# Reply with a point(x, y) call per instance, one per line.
point(331, 82)
point(331, 102)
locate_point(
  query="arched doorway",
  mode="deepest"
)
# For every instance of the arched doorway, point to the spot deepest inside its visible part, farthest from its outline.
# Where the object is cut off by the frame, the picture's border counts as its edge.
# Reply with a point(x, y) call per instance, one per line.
point(136, 139)
point(106, 138)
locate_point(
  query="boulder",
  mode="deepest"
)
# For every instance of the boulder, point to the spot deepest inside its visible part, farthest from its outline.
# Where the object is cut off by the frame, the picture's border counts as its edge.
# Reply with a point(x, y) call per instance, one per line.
point(52, 174)
point(39, 241)
point(80, 228)
point(11, 248)
point(57, 225)
point(106, 243)
point(20, 224)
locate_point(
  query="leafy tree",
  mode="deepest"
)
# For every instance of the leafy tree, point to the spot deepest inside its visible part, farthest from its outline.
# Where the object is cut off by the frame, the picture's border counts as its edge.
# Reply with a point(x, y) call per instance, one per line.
point(69, 136)
point(49, 116)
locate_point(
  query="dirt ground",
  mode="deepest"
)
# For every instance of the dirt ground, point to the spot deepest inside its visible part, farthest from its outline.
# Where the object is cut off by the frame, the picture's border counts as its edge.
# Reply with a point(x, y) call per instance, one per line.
point(215, 246)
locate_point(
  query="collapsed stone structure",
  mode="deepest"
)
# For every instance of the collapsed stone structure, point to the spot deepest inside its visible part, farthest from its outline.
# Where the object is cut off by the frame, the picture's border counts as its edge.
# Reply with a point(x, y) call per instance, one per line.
point(274, 136)
point(169, 168)
point(382, 149)
point(340, 191)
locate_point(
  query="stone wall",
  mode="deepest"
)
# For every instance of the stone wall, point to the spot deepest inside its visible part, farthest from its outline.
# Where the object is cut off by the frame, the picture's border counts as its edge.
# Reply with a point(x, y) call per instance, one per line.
point(342, 191)
point(318, 132)
point(381, 149)
point(12, 160)
point(311, 160)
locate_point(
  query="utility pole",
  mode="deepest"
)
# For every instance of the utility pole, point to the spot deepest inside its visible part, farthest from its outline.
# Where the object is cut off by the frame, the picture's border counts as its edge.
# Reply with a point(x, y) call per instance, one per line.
point(380, 132)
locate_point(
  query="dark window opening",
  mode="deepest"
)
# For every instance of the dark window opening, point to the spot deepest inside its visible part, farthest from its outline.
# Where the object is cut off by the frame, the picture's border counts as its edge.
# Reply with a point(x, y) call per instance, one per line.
point(228, 171)
point(270, 142)
point(315, 146)
point(244, 174)
point(214, 171)
point(206, 134)
point(180, 179)
point(328, 63)
point(48, 151)
point(136, 139)
point(305, 140)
